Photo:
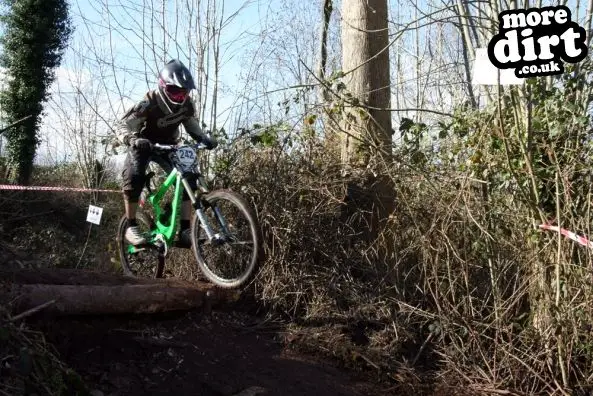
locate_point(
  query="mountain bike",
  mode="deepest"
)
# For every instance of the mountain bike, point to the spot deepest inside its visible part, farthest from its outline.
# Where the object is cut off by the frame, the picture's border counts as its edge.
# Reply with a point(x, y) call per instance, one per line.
point(210, 229)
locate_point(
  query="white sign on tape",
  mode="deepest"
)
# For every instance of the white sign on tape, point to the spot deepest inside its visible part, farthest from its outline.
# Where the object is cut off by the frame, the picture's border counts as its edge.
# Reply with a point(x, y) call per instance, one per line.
point(94, 214)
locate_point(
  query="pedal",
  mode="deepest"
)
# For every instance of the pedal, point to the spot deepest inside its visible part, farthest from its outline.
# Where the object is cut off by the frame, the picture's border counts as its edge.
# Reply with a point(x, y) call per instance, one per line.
point(138, 249)
point(142, 247)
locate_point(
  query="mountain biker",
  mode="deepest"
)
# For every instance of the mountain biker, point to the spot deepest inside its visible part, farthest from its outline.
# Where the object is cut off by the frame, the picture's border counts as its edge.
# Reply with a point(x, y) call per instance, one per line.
point(156, 119)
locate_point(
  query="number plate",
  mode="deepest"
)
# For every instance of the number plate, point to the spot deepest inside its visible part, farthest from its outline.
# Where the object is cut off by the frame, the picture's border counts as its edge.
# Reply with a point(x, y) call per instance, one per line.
point(185, 157)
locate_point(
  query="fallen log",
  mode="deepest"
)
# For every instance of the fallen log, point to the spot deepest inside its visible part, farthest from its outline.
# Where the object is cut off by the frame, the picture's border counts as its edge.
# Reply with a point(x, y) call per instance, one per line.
point(67, 276)
point(80, 292)
point(81, 300)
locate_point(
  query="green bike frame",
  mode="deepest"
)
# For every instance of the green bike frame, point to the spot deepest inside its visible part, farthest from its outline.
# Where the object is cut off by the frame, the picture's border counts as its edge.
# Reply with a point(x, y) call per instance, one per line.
point(167, 231)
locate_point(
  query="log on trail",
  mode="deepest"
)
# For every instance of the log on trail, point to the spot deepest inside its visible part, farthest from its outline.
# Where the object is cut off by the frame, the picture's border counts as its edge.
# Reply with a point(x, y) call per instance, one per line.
point(66, 276)
point(79, 292)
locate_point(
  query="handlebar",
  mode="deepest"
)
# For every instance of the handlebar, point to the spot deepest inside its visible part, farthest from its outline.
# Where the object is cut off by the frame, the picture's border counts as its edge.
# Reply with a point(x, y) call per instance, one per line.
point(172, 147)
point(168, 147)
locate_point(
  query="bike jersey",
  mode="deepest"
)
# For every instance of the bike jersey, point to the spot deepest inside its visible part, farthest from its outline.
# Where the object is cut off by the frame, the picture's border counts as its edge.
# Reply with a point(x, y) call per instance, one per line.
point(152, 119)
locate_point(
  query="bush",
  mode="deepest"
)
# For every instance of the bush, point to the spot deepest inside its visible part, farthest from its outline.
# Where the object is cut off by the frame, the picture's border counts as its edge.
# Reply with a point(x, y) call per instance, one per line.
point(473, 290)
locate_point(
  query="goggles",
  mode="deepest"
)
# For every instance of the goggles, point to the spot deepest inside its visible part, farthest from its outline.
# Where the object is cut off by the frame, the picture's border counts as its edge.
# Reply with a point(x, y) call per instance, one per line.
point(175, 93)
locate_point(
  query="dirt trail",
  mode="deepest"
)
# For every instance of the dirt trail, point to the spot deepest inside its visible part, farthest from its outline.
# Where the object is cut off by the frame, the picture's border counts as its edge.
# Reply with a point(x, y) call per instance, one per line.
point(194, 354)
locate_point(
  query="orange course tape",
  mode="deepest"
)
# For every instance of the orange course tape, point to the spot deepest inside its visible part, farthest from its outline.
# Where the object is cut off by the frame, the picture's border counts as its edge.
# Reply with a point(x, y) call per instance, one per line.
point(569, 234)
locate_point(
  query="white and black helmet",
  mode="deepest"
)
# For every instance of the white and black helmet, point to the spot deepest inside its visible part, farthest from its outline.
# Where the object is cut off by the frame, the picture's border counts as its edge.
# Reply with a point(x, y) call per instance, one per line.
point(175, 83)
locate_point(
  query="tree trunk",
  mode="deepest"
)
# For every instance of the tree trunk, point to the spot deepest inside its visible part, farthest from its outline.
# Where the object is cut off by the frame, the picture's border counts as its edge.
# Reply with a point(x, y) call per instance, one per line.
point(331, 123)
point(321, 67)
point(365, 60)
point(77, 292)
point(366, 131)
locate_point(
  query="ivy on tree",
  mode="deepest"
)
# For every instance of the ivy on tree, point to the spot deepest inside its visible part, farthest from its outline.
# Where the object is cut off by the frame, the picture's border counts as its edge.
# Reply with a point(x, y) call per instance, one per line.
point(36, 32)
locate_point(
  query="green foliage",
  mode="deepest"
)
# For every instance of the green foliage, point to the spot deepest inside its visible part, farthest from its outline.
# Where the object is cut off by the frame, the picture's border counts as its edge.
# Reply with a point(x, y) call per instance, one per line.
point(412, 135)
point(268, 136)
point(36, 34)
point(539, 130)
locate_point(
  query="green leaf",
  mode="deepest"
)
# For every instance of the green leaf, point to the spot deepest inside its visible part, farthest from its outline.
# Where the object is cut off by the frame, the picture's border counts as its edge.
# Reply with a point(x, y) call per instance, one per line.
point(405, 124)
point(534, 238)
point(554, 131)
point(536, 124)
point(336, 74)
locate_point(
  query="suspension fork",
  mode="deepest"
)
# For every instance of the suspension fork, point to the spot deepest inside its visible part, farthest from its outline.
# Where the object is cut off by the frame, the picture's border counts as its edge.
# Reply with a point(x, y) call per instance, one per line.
point(217, 212)
point(221, 219)
point(199, 208)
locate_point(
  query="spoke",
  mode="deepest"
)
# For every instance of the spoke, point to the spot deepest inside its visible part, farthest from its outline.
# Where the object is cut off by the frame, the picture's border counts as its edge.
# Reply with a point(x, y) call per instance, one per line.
point(240, 243)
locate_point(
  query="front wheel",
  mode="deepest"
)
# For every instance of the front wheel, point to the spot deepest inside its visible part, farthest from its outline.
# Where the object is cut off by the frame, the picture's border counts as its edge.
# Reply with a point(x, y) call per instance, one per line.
point(230, 259)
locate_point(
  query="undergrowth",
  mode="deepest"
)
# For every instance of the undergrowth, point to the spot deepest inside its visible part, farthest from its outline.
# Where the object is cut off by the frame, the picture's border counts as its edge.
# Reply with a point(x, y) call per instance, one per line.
point(30, 366)
point(474, 294)
point(46, 229)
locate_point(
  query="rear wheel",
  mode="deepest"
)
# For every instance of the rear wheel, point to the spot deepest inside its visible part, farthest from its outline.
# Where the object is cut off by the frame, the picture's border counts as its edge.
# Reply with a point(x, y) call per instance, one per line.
point(146, 263)
point(228, 261)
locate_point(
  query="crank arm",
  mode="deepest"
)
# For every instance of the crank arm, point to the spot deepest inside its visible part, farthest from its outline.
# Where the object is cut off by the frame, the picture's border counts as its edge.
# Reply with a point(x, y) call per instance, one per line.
point(140, 248)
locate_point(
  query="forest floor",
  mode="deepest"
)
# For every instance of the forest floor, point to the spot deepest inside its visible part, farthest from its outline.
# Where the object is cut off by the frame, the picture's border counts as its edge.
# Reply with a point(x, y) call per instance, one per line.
point(232, 350)
point(192, 353)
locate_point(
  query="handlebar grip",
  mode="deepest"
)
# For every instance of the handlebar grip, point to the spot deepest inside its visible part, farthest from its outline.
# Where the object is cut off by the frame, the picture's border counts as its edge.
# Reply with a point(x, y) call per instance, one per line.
point(164, 146)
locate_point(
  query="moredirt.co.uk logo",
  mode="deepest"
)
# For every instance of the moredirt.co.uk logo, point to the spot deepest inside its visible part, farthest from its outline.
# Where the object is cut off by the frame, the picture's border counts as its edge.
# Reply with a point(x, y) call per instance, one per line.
point(535, 41)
